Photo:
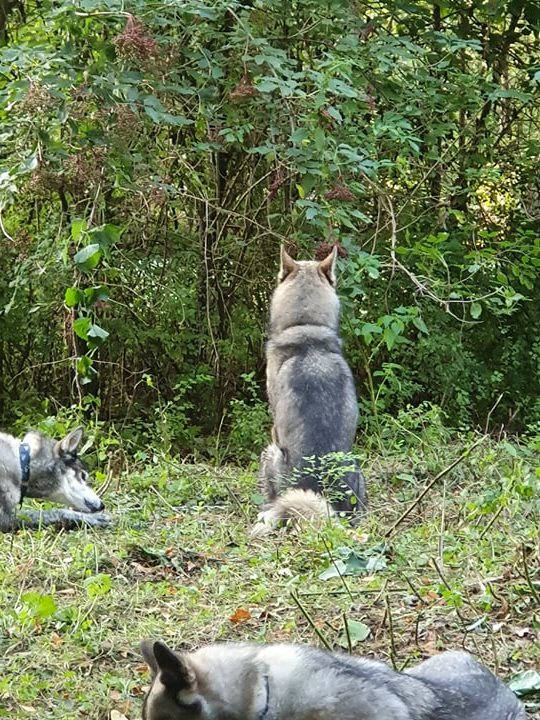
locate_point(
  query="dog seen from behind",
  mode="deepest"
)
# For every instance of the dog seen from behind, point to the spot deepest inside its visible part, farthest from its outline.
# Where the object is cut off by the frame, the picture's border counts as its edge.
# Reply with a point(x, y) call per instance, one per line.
point(40, 467)
point(292, 682)
point(306, 470)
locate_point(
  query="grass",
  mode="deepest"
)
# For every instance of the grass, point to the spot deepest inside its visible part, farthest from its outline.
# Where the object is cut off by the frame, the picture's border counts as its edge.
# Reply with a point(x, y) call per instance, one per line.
point(460, 570)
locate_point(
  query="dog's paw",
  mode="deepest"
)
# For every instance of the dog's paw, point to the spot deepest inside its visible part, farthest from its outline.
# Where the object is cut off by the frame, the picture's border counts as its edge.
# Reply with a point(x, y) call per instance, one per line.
point(98, 520)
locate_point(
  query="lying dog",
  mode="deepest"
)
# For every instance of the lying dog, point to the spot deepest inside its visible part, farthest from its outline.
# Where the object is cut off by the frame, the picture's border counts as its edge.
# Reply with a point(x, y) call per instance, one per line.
point(292, 682)
point(312, 400)
point(40, 467)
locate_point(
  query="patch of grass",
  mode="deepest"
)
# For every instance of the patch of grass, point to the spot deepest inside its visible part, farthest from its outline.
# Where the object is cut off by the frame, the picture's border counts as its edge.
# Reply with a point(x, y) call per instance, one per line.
point(461, 569)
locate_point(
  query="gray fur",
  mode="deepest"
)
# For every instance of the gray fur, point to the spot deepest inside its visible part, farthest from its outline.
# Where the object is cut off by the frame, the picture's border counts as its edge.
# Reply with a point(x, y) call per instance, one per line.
point(310, 390)
point(291, 682)
point(56, 474)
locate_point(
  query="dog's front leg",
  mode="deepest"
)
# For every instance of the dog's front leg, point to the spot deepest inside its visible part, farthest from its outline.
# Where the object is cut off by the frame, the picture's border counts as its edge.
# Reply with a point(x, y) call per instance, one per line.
point(67, 519)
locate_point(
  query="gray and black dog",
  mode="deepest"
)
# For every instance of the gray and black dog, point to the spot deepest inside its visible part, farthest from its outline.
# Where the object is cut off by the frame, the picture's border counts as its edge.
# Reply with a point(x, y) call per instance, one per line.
point(312, 401)
point(292, 682)
point(40, 467)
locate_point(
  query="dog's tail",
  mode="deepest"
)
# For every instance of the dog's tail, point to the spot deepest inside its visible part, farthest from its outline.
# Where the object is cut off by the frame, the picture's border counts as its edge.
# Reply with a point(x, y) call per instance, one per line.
point(294, 505)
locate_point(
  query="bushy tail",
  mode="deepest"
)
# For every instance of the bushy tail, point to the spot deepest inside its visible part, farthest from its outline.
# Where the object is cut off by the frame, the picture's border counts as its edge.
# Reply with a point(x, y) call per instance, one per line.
point(295, 504)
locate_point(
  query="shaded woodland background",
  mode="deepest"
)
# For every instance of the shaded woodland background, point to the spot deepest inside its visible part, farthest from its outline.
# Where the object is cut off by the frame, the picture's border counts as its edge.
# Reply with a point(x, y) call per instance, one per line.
point(152, 161)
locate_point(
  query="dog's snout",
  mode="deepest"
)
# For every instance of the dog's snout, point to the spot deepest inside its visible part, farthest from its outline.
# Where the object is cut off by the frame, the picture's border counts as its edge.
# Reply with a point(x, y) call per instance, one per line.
point(94, 507)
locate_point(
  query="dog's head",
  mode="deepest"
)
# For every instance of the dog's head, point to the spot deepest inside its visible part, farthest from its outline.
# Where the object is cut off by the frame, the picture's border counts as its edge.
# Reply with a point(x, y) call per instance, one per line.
point(325, 269)
point(57, 474)
point(173, 694)
point(305, 293)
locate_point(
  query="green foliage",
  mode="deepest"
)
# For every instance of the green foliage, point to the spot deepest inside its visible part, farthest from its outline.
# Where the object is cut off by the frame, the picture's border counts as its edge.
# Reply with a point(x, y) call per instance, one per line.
point(154, 156)
point(249, 424)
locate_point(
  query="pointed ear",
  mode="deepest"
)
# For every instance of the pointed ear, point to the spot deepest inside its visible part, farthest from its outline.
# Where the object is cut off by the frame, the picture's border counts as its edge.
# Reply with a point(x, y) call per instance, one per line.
point(69, 445)
point(288, 265)
point(327, 267)
point(173, 670)
point(147, 651)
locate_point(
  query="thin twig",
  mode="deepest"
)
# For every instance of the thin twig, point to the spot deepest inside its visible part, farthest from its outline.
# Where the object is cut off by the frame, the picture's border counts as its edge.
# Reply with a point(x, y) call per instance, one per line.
point(490, 523)
point(163, 500)
point(443, 519)
point(414, 590)
point(527, 576)
point(393, 653)
point(497, 401)
point(4, 231)
point(347, 633)
point(428, 487)
point(310, 621)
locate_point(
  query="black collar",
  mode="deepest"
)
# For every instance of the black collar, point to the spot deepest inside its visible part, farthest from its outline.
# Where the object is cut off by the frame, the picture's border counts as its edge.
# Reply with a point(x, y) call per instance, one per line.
point(266, 707)
point(24, 460)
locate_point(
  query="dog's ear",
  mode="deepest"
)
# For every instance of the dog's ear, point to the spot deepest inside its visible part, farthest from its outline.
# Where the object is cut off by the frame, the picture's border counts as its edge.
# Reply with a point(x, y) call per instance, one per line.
point(173, 670)
point(327, 267)
point(288, 265)
point(147, 651)
point(69, 444)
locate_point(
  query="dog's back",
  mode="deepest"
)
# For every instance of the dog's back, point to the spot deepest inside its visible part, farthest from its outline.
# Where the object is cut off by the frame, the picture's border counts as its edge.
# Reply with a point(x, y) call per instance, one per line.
point(466, 689)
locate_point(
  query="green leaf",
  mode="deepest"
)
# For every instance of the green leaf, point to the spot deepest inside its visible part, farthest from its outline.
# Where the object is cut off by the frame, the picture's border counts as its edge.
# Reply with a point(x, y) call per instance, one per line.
point(525, 683)
point(106, 235)
point(338, 87)
point(78, 226)
point(98, 585)
point(355, 563)
point(29, 163)
point(40, 606)
point(85, 367)
point(368, 330)
point(476, 310)
point(96, 294)
point(357, 633)
point(73, 296)
point(336, 569)
point(420, 325)
point(390, 336)
point(81, 326)
point(95, 331)
point(267, 86)
point(88, 258)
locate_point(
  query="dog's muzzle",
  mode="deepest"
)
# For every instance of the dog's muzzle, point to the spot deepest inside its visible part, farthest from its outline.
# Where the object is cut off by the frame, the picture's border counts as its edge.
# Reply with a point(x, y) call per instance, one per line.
point(94, 507)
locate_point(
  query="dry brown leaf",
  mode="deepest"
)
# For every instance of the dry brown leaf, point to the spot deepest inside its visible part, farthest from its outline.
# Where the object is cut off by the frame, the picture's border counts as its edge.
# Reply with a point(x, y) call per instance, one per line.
point(240, 616)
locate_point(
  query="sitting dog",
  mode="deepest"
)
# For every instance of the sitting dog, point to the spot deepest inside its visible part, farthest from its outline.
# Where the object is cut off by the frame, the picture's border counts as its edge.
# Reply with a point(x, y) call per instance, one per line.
point(291, 682)
point(40, 467)
point(312, 400)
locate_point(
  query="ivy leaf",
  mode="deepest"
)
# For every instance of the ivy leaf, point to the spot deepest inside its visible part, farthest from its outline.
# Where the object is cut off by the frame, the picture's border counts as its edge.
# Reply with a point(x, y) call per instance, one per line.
point(88, 258)
point(73, 296)
point(81, 326)
point(97, 332)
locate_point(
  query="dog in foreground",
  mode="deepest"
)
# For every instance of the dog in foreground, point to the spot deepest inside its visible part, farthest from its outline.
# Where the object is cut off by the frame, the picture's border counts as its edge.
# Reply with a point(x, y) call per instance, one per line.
point(40, 467)
point(293, 682)
point(312, 400)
